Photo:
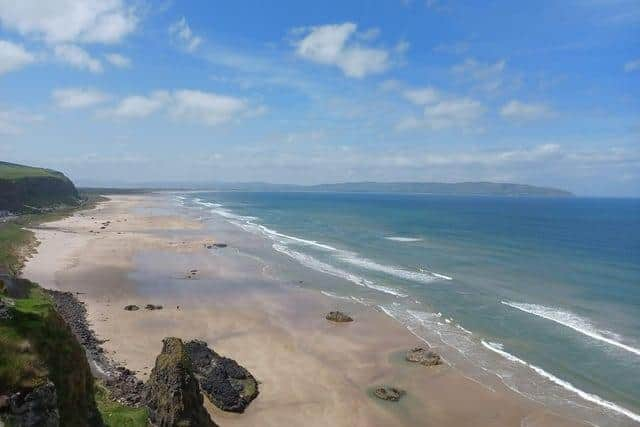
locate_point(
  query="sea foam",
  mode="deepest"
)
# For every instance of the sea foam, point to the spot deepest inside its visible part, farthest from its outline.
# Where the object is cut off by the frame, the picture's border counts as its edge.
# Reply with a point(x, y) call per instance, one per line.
point(499, 349)
point(403, 239)
point(570, 320)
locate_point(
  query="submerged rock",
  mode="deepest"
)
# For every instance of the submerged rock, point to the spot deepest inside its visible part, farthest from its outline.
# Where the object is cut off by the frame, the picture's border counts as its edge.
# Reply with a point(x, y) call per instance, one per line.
point(172, 393)
point(423, 356)
point(389, 393)
point(132, 307)
point(338, 316)
point(226, 384)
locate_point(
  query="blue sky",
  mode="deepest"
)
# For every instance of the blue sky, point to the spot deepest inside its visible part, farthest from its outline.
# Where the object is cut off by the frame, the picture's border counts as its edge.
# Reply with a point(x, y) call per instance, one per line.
point(117, 91)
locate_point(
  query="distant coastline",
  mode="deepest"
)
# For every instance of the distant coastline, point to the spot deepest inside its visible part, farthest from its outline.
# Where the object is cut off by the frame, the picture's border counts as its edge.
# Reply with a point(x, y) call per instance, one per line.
point(433, 188)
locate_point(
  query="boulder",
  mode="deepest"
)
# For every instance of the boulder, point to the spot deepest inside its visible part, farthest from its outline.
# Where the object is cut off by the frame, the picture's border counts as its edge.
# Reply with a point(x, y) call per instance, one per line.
point(226, 384)
point(153, 307)
point(389, 393)
point(338, 316)
point(38, 408)
point(423, 356)
point(132, 307)
point(172, 393)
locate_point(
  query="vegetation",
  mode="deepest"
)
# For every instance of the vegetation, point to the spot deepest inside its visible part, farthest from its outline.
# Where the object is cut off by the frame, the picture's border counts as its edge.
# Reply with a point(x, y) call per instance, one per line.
point(12, 171)
point(36, 345)
point(114, 414)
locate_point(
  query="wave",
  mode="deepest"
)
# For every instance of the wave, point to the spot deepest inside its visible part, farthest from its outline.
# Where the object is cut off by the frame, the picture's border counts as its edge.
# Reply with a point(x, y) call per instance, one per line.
point(499, 349)
point(570, 320)
point(403, 239)
point(336, 296)
point(297, 239)
point(311, 262)
point(424, 276)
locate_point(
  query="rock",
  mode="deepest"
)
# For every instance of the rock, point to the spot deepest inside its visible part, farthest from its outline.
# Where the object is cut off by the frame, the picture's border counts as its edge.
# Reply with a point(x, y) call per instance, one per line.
point(423, 356)
point(226, 384)
point(172, 393)
point(389, 393)
point(153, 307)
point(38, 408)
point(131, 307)
point(338, 316)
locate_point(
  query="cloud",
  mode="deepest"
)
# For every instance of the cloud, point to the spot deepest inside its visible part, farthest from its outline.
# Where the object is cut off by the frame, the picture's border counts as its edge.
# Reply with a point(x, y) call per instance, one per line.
point(77, 57)
point(69, 21)
point(461, 113)
point(422, 96)
point(140, 106)
point(631, 66)
point(181, 33)
point(78, 97)
point(334, 45)
point(12, 121)
point(205, 107)
point(13, 57)
point(522, 111)
point(118, 60)
point(488, 76)
point(186, 105)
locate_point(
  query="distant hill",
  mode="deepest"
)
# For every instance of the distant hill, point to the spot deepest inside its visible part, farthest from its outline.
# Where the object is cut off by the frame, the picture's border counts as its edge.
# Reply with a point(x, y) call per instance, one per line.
point(23, 188)
point(436, 188)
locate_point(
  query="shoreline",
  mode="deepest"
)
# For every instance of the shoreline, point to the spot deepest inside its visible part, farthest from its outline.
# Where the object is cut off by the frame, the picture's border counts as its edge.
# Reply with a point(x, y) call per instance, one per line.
point(309, 370)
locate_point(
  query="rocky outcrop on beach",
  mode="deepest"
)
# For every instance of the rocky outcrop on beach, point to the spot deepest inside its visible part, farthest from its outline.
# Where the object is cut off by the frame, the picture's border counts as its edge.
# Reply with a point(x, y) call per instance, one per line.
point(338, 316)
point(392, 394)
point(172, 393)
point(423, 356)
point(131, 307)
point(226, 384)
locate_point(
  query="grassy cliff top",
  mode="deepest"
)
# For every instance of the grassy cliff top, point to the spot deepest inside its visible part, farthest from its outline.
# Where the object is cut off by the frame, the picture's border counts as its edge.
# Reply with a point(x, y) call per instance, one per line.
point(12, 171)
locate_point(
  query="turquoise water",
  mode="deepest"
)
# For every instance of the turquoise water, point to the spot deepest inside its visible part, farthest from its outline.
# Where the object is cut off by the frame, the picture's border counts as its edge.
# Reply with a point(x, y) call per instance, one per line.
point(544, 293)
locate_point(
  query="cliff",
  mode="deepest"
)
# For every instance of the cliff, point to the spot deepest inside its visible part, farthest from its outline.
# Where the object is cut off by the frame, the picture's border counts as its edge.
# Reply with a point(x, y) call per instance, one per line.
point(26, 188)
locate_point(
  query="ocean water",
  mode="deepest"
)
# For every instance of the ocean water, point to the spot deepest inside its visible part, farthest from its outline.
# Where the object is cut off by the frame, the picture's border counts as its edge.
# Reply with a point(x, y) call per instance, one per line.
point(543, 294)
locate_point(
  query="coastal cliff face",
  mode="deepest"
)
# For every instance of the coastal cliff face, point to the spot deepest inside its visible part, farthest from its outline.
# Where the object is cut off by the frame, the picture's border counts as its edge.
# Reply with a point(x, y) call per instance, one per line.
point(23, 188)
point(45, 379)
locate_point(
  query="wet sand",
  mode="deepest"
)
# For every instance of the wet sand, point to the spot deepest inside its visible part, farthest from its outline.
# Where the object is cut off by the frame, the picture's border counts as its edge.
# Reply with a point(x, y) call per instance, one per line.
point(311, 372)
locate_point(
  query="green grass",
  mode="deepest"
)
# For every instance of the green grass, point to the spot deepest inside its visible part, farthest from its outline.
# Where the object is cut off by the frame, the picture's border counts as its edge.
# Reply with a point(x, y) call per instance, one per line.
point(115, 414)
point(14, 242)
point(12, 171)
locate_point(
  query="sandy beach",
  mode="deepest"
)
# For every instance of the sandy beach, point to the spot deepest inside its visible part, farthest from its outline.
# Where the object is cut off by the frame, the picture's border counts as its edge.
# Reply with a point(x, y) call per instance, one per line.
point(137, 250)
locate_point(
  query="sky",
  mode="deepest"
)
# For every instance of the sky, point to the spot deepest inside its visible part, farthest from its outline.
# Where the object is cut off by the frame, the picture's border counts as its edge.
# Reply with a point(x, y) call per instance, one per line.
point(119, 92)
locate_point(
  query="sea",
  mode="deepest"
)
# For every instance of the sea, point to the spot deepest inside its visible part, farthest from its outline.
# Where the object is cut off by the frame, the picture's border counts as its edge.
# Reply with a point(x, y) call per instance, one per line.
point(542, 294)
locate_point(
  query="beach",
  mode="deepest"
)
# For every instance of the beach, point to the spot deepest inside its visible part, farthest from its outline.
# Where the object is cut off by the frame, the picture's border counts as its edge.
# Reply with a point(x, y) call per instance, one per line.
point(139, 249)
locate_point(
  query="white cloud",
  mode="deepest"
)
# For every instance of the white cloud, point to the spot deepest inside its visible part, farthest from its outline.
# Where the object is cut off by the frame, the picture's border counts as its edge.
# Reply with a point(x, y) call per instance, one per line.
point(77, 57)
point(334, 45)
point(422, 96)
point(141, 106)
point(69, 21)
point(461, 113)
point(118, 60)
point(78, 97)
point(488, 76)
point(518, 110)
point(205, 107)
point(181, 32)
point(12, 122)
point(632, 66)
point(188, 105)
point(13, 56)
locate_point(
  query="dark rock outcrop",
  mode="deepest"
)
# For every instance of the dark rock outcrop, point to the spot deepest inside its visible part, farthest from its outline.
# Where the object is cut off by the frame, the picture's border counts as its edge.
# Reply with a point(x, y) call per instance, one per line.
point(37, 408)
point(172, 393)
point(153, 307)
point(389, 393)
point(131, 307)
point(423, 356)
point(226, 384)
point(338, 316)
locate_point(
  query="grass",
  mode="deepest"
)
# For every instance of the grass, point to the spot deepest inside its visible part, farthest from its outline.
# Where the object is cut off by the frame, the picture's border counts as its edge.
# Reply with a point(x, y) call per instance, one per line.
point(15, 242)
point(114, 414)
point(12, 171)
